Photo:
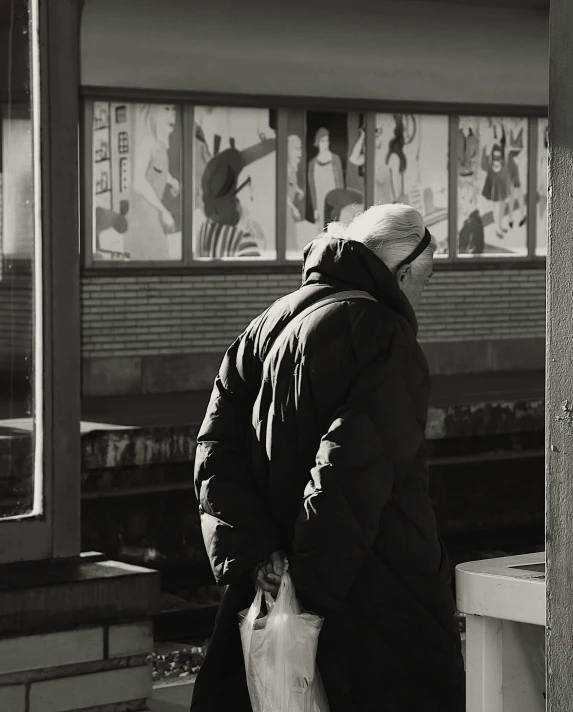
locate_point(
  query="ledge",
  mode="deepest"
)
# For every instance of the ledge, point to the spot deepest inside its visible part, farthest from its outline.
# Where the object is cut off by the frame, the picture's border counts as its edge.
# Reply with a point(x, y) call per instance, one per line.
point(41, 596)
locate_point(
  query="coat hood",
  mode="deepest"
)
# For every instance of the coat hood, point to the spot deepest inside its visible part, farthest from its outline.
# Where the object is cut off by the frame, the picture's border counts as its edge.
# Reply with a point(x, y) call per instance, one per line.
point(349, 264)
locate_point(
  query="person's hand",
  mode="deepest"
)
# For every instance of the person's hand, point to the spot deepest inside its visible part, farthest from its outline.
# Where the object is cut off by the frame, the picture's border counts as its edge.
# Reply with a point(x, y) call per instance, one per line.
point(167, 220)
point(296, 214)
point(174, 187)
point(268, 574)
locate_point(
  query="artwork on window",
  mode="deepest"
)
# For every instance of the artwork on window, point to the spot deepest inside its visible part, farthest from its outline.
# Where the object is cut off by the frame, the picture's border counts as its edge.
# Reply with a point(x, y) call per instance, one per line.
point(542, 149)
point(121, 114)
point(335, 167)
point(123, 142)
point(492, 184)
point(325, 173)
point(235, 183)
point(136, 182)
point(411, 166)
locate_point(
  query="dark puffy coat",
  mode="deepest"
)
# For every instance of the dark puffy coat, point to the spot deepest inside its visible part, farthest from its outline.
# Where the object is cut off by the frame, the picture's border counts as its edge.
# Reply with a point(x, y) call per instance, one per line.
point(324, 457)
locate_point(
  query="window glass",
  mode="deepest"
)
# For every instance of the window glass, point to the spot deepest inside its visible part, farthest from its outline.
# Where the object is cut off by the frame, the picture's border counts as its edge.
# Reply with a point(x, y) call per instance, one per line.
point(541, 216)
point(411, 166)
point(492, 185)
point(20, 490)
point(136, 182)
point(234, 214)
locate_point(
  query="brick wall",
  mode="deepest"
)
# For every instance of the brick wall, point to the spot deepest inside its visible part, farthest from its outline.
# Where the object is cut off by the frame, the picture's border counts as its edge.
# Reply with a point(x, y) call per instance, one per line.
point(158, 334)
point(129, 316)
point(95, 668)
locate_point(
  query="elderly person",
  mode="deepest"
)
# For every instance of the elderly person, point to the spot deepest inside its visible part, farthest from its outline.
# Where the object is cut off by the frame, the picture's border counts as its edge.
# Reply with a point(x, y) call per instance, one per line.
point(317, 453)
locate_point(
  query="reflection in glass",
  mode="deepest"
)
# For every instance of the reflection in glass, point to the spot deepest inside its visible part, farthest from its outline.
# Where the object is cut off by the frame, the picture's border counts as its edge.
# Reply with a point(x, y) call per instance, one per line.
point(17, 245)
point(235, 183)
point(492, 181)
point(411, 166)
point(136, 182)
point(542, 148)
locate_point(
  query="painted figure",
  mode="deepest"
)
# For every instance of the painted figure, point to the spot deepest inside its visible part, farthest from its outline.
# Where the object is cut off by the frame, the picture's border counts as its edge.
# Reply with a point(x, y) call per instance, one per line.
point(468, 149)
point(149, 220)
point(515, 171)
point(295, 194)
point(229, 229)
point(471, 238)
point(496, 187)
point(324, 174)
point(384, 182)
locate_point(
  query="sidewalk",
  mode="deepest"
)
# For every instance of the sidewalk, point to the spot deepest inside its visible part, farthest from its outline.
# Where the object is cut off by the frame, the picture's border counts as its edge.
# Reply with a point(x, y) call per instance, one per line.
point(172, 698)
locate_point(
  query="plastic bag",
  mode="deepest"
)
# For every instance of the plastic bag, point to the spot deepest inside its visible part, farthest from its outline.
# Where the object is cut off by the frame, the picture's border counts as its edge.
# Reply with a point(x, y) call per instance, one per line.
point(280, 654)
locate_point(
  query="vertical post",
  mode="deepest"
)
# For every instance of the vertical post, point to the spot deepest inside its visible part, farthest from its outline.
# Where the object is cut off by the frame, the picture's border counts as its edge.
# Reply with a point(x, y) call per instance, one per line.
point(559, 384)
point(59, 116)
point(532, 133)
point(484, 663)
point(281, 189)
point(370, 197)
point(453, 189)
point(187, 113)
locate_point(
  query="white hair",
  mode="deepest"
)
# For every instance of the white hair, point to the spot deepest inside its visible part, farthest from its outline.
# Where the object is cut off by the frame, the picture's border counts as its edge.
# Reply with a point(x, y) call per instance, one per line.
point(391, 232)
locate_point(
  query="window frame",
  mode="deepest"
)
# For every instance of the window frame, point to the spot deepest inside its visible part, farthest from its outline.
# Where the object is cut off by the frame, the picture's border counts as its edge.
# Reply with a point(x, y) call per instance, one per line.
point(54, 29)
point(282, 104)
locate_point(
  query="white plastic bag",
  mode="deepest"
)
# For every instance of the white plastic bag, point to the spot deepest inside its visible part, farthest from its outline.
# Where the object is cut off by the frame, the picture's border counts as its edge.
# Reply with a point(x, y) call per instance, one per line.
point(280, 654)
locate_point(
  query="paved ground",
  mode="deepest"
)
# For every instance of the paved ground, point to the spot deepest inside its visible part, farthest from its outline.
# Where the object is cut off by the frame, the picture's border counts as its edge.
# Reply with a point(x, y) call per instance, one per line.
point(175, 698)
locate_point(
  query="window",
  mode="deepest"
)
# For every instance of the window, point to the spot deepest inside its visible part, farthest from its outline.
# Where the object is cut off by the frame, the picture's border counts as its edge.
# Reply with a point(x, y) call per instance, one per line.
point(20, 477)
point(39, 285)
point(411, 166)
point(492, 186)
point(136, 183)
point(541, 212)
point(325, 173)
point(234, 213)
point(199, 184)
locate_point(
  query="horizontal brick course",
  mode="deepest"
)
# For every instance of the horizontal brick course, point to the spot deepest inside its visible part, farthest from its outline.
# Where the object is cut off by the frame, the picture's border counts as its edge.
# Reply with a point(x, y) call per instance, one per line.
point(130, 639)
point(177, 314)
point(13, 698)
point(84, 691)
point(33, 652)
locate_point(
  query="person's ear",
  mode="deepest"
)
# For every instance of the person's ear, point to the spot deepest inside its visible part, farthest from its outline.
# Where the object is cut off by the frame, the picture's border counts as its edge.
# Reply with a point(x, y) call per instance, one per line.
point(402, 273)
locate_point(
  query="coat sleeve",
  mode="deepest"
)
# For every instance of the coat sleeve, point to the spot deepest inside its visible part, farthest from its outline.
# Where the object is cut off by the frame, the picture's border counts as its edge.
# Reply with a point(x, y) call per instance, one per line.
point(237, 529)
point(353, 478)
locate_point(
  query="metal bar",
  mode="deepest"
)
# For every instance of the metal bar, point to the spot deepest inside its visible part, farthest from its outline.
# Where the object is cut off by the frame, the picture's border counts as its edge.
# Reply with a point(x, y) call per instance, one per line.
point(187, 194)
point(532, 187)
point(86, 189)
point(281, 185)
point(311, 103)
point(139, 490)
point(370, 164)
point(453, 190)
point(60, 56)
point(485, 457)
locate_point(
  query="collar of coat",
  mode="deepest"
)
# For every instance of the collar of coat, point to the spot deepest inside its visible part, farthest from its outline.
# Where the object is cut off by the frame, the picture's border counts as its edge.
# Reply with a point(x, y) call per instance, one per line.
point(347, 264)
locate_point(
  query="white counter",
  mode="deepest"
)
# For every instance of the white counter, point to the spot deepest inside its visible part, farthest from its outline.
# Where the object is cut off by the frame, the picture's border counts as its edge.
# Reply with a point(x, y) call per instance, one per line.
point(504, 601)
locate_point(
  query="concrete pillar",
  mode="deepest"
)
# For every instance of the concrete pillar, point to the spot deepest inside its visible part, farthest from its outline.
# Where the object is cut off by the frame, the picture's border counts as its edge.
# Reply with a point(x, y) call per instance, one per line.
point(559, 396)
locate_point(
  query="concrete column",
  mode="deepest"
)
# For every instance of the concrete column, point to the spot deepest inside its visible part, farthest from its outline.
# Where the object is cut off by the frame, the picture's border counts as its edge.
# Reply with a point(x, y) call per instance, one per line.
point(559, 397)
